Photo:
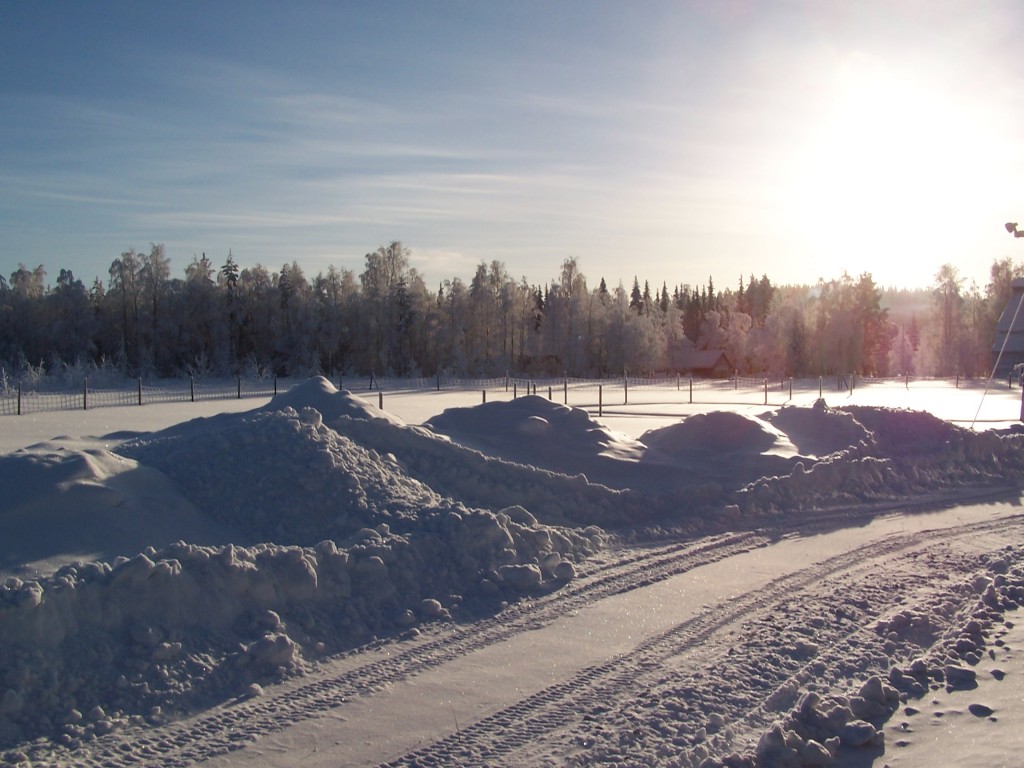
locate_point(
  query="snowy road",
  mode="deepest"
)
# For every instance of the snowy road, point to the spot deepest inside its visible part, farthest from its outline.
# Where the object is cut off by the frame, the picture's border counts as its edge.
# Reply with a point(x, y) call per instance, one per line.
point(671, 653)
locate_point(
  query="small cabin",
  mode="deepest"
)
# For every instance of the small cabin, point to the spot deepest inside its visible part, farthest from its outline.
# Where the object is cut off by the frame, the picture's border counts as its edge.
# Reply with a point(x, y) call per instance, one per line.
point(707, 363)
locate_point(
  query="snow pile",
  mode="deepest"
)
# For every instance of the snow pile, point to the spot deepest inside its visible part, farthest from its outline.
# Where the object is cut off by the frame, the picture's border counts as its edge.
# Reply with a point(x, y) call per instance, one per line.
point(99, 645)
point(819, 430)
point(721, 432)
point(61, 505)
point(284, 476)
point(533, 430)
point(899, 432)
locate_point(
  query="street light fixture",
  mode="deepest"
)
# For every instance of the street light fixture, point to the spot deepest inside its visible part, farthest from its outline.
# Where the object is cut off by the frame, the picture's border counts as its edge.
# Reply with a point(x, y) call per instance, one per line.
point(1011, 227)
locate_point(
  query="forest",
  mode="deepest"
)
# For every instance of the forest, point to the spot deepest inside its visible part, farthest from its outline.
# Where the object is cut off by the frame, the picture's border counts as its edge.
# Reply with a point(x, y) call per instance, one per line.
point(228, 319)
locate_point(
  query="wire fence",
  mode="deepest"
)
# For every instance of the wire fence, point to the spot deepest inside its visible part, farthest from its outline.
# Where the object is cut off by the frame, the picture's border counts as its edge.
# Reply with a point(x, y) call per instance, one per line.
point(16, 402)
point(687, 389)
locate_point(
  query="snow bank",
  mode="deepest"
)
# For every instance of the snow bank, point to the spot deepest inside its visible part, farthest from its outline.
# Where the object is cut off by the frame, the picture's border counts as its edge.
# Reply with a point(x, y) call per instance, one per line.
point(533, 430)
point(173, 629)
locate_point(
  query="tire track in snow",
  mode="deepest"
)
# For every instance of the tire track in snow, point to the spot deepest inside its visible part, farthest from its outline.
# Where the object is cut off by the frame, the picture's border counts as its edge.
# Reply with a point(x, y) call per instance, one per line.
point(501, 738)
point(229, 729)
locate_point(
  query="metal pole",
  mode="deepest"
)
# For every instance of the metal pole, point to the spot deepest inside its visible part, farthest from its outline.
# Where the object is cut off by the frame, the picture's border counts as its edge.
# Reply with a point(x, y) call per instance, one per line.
point(565, 390)
point(691, 390)
point(600, 400)
point(140, 391)
point(19, 398)
point(766, 391)
point(85, 395)
point(275, 386)
point(239, 387)
point(192, 387)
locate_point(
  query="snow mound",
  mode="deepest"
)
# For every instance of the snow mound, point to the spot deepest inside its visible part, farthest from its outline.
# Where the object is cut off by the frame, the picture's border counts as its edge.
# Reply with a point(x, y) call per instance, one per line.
point(90, 505)
point(819, 430)
point(468, 476)
point(331, 402)
point(536, 431)
point(900, 432)
point(284, 476)
point(720, 432)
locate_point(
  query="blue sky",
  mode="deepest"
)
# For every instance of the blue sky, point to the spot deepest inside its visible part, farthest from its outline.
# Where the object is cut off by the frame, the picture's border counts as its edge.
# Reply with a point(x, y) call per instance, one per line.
point(668, 140)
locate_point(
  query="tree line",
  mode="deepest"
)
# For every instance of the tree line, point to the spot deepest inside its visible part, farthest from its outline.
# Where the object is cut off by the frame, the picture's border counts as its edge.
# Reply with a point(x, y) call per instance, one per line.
point(228, 319)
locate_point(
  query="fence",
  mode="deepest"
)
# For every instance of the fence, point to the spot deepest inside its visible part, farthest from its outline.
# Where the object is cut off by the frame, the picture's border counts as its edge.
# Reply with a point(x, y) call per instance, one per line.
point(601, 391)
point(17, 402)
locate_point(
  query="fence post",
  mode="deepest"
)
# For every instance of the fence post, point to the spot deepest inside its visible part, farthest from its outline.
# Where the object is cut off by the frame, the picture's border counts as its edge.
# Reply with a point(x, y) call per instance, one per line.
point(438, 381)
point(600, 400)
point(275, 385)
point(192, 387)
point(140, 391)
point(380, 398)
point(19, 398)
point(691, 390)
point(736, 381)
point(85, 394)
point(565, 390)
point(790, 387)
point(766, 391)
point(677, 382)
point(506, 381)
point(515, 389)
point(239, 387)
point(483, 392)
point(907, 382)
point(819, 387)
point(550, 395)
point(625, 390)
point(958, 379)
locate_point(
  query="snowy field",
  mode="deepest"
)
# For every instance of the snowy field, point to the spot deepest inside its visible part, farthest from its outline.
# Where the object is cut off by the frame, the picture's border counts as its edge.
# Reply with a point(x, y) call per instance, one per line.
point(309, 580)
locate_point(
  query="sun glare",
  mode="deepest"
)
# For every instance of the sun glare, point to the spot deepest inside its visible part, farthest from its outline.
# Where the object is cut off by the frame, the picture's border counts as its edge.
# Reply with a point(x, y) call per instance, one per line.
point(889, 165)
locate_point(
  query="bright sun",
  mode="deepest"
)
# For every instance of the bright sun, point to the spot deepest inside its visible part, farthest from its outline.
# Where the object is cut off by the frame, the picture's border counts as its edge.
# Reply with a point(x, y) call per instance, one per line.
point(889, 164)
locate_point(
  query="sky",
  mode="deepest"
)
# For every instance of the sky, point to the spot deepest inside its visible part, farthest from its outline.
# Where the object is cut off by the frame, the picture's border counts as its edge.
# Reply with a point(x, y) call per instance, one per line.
point(669, 141)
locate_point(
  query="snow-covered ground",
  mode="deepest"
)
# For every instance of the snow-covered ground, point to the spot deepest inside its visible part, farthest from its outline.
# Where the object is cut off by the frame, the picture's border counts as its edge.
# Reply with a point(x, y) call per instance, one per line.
point(310, 580)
